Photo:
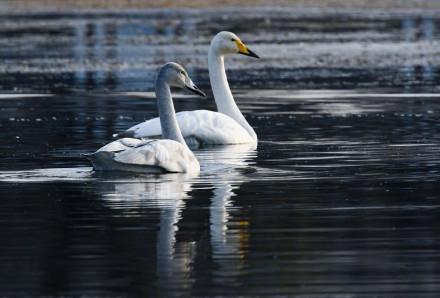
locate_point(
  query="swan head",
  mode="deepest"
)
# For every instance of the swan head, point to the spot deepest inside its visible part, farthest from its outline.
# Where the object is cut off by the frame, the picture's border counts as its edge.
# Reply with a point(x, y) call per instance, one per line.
point(226, 42)
point(176, 76)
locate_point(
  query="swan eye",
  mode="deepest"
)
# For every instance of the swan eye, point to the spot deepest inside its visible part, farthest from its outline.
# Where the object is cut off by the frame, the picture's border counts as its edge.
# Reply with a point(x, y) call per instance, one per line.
point(182, 72)
point(233, 39)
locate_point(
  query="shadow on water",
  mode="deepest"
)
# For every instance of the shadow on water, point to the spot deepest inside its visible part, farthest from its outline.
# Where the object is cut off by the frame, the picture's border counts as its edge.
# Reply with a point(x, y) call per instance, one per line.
point(339, 198)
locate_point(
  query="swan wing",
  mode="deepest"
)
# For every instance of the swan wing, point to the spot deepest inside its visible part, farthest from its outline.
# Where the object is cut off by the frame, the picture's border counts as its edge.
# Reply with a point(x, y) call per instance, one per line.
point(148, 128)
point(208, 127)
point(169, 155)
point(154, 156)
point(213, 128)
point(123, 144)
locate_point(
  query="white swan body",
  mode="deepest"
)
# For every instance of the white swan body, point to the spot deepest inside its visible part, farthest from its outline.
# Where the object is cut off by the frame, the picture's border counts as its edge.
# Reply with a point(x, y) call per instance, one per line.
point(146, 156)
point(170, 154)
point(203, 127)
point(199, 127)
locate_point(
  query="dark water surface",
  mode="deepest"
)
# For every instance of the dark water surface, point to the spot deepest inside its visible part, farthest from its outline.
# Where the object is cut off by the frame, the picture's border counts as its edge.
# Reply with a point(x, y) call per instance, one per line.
point(341, 197)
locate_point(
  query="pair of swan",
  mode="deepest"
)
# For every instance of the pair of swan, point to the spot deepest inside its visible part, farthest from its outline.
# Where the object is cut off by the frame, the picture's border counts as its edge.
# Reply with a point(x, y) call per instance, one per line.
point(201, 127)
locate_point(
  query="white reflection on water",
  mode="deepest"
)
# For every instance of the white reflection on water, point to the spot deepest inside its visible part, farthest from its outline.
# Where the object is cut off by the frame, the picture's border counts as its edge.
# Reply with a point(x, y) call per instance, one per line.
point(23, 96)
point(47, 175)
point(331, 94)
point(131, 194)
point(225, 180)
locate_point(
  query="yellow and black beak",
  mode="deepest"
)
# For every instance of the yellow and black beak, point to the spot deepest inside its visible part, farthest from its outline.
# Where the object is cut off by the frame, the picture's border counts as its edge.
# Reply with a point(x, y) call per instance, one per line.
point(244, 50)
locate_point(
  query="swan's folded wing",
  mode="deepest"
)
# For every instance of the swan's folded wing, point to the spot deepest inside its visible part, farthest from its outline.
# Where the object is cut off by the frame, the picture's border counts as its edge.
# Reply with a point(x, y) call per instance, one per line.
point(206, 126)
point(122, 144)
point(148, 128)
point(215, 128)
point(167, 154)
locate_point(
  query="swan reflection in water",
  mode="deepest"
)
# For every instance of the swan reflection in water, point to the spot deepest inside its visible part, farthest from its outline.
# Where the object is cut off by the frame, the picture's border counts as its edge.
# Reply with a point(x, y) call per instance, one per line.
point(222, 171)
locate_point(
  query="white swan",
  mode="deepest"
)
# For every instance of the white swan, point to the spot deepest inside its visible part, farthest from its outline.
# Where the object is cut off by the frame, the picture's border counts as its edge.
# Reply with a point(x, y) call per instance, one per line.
point(203, 127)
point(170, 154)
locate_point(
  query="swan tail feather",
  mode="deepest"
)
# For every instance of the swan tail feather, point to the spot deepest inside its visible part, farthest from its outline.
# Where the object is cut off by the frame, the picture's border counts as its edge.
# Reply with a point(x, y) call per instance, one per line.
point(124, 134)
point(100, 160)
point(87, 155)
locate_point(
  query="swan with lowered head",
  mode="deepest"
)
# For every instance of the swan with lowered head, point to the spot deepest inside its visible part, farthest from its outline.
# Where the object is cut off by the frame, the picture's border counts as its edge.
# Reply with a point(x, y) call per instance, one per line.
point(203, 127)
point(170, 154)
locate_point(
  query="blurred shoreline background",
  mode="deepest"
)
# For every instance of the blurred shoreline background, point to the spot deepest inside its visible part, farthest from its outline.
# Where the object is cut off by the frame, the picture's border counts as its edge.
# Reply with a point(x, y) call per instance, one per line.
point(53, 45)
point(11, 5)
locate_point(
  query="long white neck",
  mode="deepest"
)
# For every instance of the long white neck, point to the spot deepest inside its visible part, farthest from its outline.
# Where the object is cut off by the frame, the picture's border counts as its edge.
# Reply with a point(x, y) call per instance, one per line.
point(167, 114)
point(222, 93)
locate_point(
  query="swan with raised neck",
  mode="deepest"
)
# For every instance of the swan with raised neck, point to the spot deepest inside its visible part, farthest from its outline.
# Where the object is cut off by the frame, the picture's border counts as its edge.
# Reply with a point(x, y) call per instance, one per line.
point(165, 106)
point(222, 44)
point(170, 154)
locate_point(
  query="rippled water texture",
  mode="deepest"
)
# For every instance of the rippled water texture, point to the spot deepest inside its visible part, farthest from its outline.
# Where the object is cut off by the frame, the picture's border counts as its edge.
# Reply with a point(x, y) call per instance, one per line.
point(339, 199)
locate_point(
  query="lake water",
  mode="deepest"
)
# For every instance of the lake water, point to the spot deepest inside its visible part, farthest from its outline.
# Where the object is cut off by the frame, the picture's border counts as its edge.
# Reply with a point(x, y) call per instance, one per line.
point(340, 198)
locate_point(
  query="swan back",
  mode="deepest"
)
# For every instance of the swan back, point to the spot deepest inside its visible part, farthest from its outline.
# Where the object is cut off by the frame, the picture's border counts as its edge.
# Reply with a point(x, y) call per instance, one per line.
point(207, 127)
point(147, 156)
point(169, 155)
